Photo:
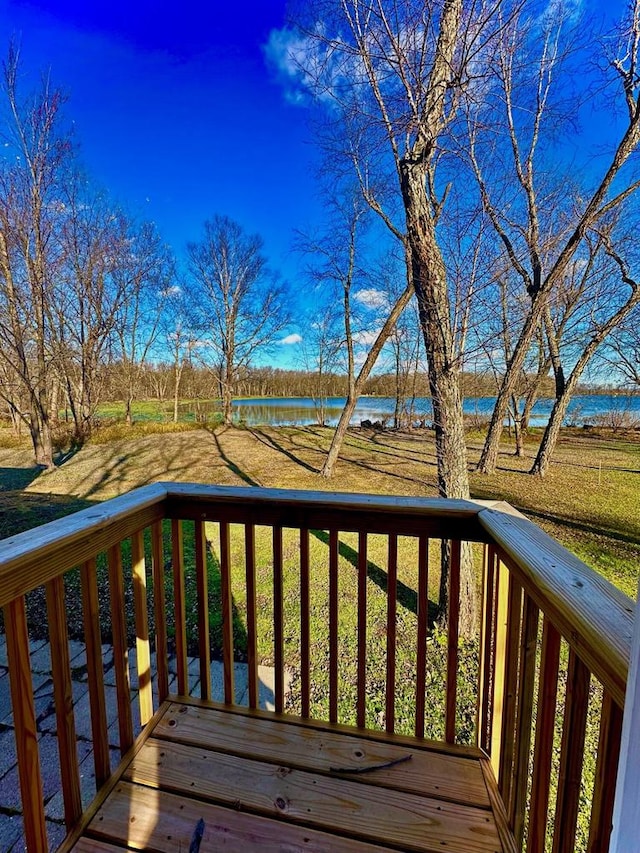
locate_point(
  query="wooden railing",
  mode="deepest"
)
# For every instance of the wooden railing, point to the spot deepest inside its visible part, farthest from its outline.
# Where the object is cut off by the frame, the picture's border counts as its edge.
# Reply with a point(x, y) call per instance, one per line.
point(539, 686)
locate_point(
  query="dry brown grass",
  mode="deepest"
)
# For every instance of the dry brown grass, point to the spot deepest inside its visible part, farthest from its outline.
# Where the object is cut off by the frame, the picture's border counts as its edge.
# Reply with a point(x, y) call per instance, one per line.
point(589, 499)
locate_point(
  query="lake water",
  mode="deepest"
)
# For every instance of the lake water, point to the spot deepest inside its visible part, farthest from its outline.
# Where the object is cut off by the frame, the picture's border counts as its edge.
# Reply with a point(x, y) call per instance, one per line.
point(584, 409)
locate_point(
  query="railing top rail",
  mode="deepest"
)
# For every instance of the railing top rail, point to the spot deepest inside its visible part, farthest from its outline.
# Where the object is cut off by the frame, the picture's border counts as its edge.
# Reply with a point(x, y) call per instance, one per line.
point(346, 511)
point(594, 616)
point(591, 613)
point(31, 558)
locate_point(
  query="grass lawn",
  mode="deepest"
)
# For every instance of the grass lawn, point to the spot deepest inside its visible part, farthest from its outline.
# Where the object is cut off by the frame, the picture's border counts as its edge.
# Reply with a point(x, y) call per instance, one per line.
point(589, 499)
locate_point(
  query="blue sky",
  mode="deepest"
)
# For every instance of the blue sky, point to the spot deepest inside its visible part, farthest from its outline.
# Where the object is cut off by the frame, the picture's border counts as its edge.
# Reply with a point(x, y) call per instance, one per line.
point(177, 112)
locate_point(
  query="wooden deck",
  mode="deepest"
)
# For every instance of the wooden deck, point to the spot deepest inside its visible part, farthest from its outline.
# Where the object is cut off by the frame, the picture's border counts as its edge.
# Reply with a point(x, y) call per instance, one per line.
point(260, 783)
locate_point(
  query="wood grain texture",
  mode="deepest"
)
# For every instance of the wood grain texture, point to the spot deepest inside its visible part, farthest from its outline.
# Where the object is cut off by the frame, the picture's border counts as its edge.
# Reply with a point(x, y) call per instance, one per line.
point(143, 650)
point(63, 699)
point(305, 628)
point(361, 687)
point(252, 637)
point(202, 588)
point(165, 823)
point(333, 626)
point(432, 773)
point(500, 664)
point(321, 802)
point(486, 669)
point(227, 613)
point(457, 750)
point(453, 621)
point(510, 697)
point(522, 746)
point(30, 559)
point(576, 704)
point(503, 827)
point(392, 605)
point(24, 719)
point(278, 621)
point(593, 616)
point(179, 606)
point(160, 611)
point(421, 639)
point(95, 674)
point(438, 517)
point(543, 748)
point(91, 845)
point(606, 776)
point(120, 647)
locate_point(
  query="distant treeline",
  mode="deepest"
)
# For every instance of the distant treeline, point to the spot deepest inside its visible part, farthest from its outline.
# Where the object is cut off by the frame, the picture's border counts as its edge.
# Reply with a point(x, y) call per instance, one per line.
point(158, 382)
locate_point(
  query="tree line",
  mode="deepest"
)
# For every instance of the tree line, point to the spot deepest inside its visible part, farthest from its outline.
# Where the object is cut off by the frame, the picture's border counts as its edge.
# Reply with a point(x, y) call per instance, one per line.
point(90, 295)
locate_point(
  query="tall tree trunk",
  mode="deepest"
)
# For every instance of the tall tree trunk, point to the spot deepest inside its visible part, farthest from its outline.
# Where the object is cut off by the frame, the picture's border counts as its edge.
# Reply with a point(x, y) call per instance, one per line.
point(489, 455)
point(355, 390)
point(430, 282)
point(40, 435)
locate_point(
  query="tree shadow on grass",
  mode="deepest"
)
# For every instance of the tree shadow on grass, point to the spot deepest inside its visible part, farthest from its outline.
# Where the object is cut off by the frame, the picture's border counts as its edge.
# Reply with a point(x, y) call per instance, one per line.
point(14, 479)
point(270, 441)
point(405, 596)
point(231, 465)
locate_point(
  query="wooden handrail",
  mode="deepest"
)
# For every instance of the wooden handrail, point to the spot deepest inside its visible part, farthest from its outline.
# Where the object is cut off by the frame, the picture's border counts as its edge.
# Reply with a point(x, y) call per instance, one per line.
point(32, 558)
point(529, 581)
point(590, 613)
point(593, 616)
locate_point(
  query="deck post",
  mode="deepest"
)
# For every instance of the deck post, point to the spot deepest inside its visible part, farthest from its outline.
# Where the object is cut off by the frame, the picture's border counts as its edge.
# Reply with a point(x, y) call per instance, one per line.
point(626, 809)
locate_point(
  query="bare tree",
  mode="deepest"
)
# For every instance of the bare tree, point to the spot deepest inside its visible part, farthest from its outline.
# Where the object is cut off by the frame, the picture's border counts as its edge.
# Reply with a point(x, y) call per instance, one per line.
point(36, 154)
point(615, 293)
point(540, 224)
point(392, 73)
point(241, 305)
point(144, 272)
point(623, 350)
point(88, 297)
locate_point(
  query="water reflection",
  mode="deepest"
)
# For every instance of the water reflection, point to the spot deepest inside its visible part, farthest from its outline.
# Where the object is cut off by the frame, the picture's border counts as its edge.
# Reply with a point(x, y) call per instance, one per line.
point(304, 411)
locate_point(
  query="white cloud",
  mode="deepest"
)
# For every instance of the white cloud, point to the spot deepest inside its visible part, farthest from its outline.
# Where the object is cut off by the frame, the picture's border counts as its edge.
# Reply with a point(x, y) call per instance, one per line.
point(365, 338)
point(372, 298)
point(295, 338)
point(173, 290)
point(311, 65)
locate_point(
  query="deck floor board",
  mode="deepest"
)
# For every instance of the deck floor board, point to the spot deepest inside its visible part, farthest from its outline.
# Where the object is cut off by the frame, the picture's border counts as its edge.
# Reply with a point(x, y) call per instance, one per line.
point(264, 784)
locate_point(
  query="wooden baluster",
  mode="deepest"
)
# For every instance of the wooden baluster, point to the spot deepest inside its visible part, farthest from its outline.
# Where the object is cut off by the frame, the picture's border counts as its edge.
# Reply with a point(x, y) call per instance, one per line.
point(392, 599)
point(305, 637)
point(179, 606)
point(576, 705)
point(452, 641)
point(509, 702)
point(143, 652)
point(120, 647)
point(423, 628)
point(333, 626)
point(63, 698)
point(24, 721)
point(484, 710)
point(160, 610)
point(202, 587)
point(528, 648)
point(543, 749)
point(252, 639)
point(227, 613)
point(361, 697)
point(278, 621)
point(95, 672)
point(606, 775)
point(499, 665)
